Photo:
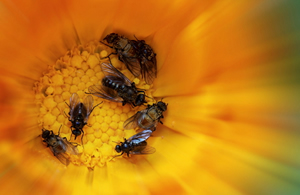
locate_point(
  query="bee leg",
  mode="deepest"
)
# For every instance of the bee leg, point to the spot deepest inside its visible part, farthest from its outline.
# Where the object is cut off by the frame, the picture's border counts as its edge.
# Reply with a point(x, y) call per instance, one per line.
point(82, 136)
point(66, 115)
point(106, 44)
point(108, 56)
point(116, 156)
point(68, 105)
point(95, 107)
point(71, 134)
point(59, 130)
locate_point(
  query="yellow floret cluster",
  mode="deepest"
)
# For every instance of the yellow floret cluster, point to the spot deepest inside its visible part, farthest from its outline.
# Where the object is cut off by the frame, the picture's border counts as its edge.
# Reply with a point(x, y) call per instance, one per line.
point(78, 69)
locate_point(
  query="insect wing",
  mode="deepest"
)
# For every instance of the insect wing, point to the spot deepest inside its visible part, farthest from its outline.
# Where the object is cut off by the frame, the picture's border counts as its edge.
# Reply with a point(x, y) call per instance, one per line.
point(74, 101)
point(132, 122)
point(109, 69)
point(63, 158)
point(143, 150)
point(105, 93)
point(60, 154)
point(88, 103)
point(141, 136)
point(149, 70)
point(71, 148)
point(132, 64)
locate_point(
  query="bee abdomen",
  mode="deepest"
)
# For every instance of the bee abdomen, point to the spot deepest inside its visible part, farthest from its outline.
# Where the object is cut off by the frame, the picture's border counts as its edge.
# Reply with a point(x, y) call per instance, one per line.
point(111, 84)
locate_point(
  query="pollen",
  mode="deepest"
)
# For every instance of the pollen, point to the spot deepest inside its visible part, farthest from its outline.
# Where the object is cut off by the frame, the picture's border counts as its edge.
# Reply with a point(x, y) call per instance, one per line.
point(72, 73)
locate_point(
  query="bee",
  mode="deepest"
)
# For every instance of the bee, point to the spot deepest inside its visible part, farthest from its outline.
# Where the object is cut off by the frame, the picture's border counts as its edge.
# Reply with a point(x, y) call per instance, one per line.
point(117, 87)
point(79, 113)
point(126, 53)
point(147, 60)
point(59, 146)
point(136, 144)
point(147, 118)
point(138, 57)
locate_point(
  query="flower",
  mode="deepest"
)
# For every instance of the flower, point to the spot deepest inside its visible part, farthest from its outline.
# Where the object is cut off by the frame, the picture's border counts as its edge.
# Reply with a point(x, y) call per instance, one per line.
point(228, 71)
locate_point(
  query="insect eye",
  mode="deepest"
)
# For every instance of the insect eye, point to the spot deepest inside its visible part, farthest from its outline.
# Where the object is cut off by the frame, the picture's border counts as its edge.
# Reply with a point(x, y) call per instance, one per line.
point(162, 106)
point(118, 148)
point(140, 99)
point(45, 134)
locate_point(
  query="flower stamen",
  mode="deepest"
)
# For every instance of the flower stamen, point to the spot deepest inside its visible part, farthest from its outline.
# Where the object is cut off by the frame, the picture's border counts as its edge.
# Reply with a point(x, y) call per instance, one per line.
point(78, 69)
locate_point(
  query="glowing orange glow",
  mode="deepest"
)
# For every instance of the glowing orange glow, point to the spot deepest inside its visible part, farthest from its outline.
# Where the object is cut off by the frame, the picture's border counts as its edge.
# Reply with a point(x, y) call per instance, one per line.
point(229, 71)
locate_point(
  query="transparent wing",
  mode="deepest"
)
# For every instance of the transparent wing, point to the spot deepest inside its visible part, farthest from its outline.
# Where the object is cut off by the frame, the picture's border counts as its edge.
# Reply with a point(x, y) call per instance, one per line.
point(71, 147)
point(141, 136)
point(149, 70)
point(143, 150)
point(132, 64)
point(110, 70)
point(132, 122)
point(88, 103)
point(105, 93)
point(74, 101)
point(61, 156)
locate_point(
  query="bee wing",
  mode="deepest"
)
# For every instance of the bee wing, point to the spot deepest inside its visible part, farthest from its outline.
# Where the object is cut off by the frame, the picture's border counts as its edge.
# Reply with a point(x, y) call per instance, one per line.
point(61, 156)
point(105, 93)
point(149, 70)
point(143, 150)
point(88, 103)
point(110, 70)
point(133, 121)
point(71, 147)
point(132, 64)
point(141, 136)
point(74, 101)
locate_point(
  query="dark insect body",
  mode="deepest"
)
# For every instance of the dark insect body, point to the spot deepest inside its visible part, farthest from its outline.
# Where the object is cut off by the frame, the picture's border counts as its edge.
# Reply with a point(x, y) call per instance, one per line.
point(136, 144)
point(147, 60)
point(147, 118)
point(59, 146)
point(79, 113)
point(118, 88)
point(138, 57)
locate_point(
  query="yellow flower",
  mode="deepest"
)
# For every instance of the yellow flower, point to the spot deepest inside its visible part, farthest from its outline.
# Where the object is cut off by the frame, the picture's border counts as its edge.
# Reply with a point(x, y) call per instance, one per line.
point(227, 69)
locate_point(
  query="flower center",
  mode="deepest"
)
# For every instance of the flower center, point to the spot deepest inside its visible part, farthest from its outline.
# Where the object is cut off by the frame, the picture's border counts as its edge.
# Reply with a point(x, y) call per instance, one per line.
point(78, 69)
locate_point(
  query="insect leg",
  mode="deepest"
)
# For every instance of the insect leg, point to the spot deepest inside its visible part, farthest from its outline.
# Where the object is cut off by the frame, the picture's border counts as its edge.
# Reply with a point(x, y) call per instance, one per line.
point(117, 156)
point(82, 136)
point(59, 130)
point(95, 106)
point(71, 133)
point(106, 44)
point(108, 56)
point(68, 105)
